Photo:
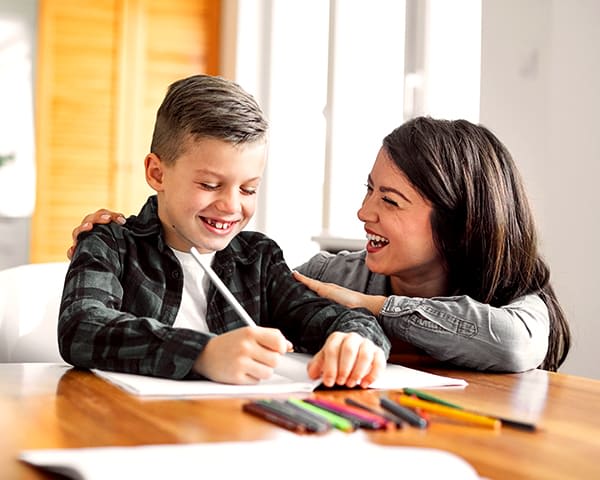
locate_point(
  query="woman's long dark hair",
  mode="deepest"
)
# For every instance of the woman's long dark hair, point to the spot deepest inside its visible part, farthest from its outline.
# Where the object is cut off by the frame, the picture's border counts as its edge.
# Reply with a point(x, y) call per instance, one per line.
point(481, 220)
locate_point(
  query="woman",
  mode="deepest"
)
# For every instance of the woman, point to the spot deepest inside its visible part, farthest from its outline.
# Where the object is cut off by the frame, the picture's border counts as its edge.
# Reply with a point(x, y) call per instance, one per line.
point(451, 264)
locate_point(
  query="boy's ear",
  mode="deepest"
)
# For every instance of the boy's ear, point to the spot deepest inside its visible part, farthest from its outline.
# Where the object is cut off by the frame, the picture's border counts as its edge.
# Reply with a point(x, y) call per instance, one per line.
point(154, 171)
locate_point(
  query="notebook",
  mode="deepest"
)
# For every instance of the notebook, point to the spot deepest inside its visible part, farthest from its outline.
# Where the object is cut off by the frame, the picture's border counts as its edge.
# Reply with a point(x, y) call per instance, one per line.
point(290, 377)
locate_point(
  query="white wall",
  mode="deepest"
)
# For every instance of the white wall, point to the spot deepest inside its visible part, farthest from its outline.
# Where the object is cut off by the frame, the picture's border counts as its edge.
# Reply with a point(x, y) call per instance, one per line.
point(18, 25)
point(540, 94)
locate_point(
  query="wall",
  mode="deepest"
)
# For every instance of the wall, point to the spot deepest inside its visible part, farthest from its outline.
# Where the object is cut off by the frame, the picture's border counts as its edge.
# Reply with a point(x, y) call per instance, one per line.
point(539, 93)
point(103, 69)
point(15, 228)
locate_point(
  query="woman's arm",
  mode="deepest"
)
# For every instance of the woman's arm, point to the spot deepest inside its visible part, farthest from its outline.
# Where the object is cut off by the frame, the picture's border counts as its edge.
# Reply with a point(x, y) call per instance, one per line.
point(460, 330)
point(456, 329)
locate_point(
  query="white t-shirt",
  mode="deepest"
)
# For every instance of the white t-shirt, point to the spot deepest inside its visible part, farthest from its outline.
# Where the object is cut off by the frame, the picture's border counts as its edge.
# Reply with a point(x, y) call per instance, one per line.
point(192, 311)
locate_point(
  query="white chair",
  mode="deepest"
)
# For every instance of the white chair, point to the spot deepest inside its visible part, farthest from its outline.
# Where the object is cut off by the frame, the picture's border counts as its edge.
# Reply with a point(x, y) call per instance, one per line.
point(29, 303)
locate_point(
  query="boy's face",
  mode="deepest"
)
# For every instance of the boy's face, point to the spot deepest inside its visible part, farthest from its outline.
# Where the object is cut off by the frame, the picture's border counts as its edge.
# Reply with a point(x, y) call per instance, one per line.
point(209, 194)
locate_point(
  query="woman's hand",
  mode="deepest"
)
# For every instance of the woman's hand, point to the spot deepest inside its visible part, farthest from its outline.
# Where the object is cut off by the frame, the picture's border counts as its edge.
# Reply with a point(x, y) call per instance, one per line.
point(347, 359)
point(88, 222)
point(341, 295)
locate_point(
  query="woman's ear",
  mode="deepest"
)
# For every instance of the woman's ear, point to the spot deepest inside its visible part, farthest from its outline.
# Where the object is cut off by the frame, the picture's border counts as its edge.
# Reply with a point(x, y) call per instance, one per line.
point(154, 171)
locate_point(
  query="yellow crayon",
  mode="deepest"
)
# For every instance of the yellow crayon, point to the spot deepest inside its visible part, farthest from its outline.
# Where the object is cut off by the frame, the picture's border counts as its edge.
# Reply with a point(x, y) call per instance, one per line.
point(449, 412)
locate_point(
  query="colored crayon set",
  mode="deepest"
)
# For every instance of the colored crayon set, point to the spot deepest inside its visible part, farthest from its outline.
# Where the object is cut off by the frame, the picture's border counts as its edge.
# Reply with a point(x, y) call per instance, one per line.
point(319, 415)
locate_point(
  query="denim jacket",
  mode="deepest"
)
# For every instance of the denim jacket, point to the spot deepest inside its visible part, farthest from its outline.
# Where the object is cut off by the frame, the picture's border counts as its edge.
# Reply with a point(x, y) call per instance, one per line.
point(456, 329)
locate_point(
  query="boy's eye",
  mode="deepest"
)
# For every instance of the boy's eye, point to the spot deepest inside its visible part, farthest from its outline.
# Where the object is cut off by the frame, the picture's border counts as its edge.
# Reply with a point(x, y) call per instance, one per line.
point(249, 191)
point(369, 187)
point(209, 186)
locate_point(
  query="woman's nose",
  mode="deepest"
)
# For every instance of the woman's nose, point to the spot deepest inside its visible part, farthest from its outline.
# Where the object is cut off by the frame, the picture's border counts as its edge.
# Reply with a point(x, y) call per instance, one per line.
point(366, 213)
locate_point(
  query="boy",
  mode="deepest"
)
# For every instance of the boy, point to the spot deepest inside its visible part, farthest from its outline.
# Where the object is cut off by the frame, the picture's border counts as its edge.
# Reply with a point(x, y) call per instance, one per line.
point(135, 301)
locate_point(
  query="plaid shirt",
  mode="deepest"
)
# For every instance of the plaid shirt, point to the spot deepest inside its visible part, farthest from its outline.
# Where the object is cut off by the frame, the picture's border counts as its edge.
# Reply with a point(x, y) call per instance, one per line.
point(123, 290)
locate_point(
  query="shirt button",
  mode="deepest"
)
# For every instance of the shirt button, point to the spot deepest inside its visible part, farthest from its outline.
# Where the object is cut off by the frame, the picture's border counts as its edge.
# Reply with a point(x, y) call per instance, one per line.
point(397, 309)
point(175, 274)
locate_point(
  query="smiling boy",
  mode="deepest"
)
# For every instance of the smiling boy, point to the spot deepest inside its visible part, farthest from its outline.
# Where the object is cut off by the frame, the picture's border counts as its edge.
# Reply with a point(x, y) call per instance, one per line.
point(135, 301)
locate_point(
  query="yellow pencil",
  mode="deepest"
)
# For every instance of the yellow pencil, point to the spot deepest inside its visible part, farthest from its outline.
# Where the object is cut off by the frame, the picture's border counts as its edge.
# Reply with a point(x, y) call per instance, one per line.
point(449, 412)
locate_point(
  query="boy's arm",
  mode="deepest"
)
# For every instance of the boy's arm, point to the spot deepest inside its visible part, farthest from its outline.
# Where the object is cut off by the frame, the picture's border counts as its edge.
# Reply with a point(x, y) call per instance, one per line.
point(309, 320)
point(96, 331)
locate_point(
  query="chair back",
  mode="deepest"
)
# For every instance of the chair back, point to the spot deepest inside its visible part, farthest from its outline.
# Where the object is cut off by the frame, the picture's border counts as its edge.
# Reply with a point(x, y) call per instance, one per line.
point(30, 298)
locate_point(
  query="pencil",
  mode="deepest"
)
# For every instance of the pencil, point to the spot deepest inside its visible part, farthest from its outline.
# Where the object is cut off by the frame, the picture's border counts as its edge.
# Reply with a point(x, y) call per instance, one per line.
point(428, 396)
point(404, 413)
point(338, 422)
point(509, 422)
point(214, 278)
point(392, 419)
point(223, 288)
point(312, 422)
point(274, 417)
point(361, 418)
point(449, 412)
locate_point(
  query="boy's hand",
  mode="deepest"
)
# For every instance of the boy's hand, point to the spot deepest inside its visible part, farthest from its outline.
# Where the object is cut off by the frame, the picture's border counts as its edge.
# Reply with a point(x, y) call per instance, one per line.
point(100, 216)
point(343, 296)
point(347, 359)
point(242, 356)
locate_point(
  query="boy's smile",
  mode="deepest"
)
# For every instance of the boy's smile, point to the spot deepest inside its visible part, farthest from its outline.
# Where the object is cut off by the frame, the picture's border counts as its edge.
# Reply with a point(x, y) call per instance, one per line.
point(209, 194)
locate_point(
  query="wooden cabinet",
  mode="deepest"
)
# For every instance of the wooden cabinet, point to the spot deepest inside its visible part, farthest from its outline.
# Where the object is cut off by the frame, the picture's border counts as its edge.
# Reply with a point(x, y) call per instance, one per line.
point(104, 67)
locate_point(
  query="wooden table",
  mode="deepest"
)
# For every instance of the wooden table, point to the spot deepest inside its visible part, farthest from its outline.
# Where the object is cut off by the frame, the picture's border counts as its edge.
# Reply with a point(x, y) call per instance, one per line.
point(54, 406)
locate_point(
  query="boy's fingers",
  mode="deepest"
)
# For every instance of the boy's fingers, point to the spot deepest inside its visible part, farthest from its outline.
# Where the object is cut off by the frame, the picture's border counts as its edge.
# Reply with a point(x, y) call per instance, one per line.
point(363, 362)
point(271, 338)
point(348, 356)
point(377, 368)
point(315, 366)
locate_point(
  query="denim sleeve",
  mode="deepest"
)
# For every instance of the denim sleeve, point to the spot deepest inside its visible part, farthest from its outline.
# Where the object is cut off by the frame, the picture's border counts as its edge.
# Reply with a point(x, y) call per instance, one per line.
point(467, 333)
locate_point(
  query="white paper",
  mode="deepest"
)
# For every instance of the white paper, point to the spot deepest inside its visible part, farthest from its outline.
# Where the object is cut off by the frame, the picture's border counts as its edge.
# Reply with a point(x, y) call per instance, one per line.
point(290, 377)
point(290, 458)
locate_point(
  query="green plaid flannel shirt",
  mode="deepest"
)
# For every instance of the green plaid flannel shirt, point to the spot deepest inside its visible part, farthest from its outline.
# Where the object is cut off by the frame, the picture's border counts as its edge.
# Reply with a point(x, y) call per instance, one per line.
point(123, 289)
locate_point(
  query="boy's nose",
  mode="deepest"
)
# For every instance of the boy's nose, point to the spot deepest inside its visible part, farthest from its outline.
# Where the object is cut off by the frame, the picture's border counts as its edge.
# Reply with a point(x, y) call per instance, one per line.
point(229, 201)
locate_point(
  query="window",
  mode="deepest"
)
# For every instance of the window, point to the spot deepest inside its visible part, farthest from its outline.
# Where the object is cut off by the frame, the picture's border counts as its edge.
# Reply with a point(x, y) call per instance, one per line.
point(334, 78)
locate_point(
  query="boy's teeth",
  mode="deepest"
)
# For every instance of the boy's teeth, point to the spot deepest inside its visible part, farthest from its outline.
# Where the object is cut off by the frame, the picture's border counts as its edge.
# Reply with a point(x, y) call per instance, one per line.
point(219, 225)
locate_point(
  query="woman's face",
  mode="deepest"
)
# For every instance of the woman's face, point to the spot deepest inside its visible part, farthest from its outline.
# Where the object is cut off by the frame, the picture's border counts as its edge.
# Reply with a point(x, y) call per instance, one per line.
point(397, 223)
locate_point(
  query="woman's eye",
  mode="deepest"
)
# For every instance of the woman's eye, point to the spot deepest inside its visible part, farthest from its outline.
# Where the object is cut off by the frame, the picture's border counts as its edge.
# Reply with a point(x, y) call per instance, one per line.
point(209, 186)
point(390, 201)
point(249, 191)
point(369, 187)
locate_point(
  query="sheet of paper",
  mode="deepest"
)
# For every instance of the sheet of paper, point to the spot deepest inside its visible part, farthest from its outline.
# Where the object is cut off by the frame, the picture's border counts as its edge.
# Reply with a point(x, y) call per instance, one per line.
point(321, 457)
point(290, 377)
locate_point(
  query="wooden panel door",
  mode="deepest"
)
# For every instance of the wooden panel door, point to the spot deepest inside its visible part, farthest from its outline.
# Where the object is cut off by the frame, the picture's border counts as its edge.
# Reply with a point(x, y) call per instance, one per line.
point(103, 69)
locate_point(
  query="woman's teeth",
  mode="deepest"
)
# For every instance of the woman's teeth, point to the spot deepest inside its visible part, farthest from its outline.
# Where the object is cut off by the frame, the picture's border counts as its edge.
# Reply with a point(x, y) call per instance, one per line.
point(376, 240)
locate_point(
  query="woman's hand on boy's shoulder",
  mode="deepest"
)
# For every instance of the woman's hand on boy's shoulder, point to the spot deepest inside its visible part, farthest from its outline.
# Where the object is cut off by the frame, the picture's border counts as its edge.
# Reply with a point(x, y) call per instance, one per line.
point(343, 296)
point(88, 222)
point(347, 359)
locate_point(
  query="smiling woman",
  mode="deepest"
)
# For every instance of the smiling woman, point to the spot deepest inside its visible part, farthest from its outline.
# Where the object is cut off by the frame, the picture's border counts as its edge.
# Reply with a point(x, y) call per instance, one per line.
point(451, 264)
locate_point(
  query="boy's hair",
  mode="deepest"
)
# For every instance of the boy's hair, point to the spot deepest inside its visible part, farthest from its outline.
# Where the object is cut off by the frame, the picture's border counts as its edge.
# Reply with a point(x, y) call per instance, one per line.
point(203, 106)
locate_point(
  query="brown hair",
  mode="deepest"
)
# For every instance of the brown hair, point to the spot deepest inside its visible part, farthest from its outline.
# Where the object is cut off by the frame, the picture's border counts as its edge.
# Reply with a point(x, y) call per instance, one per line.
point(203, 106)
point(481, 219)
